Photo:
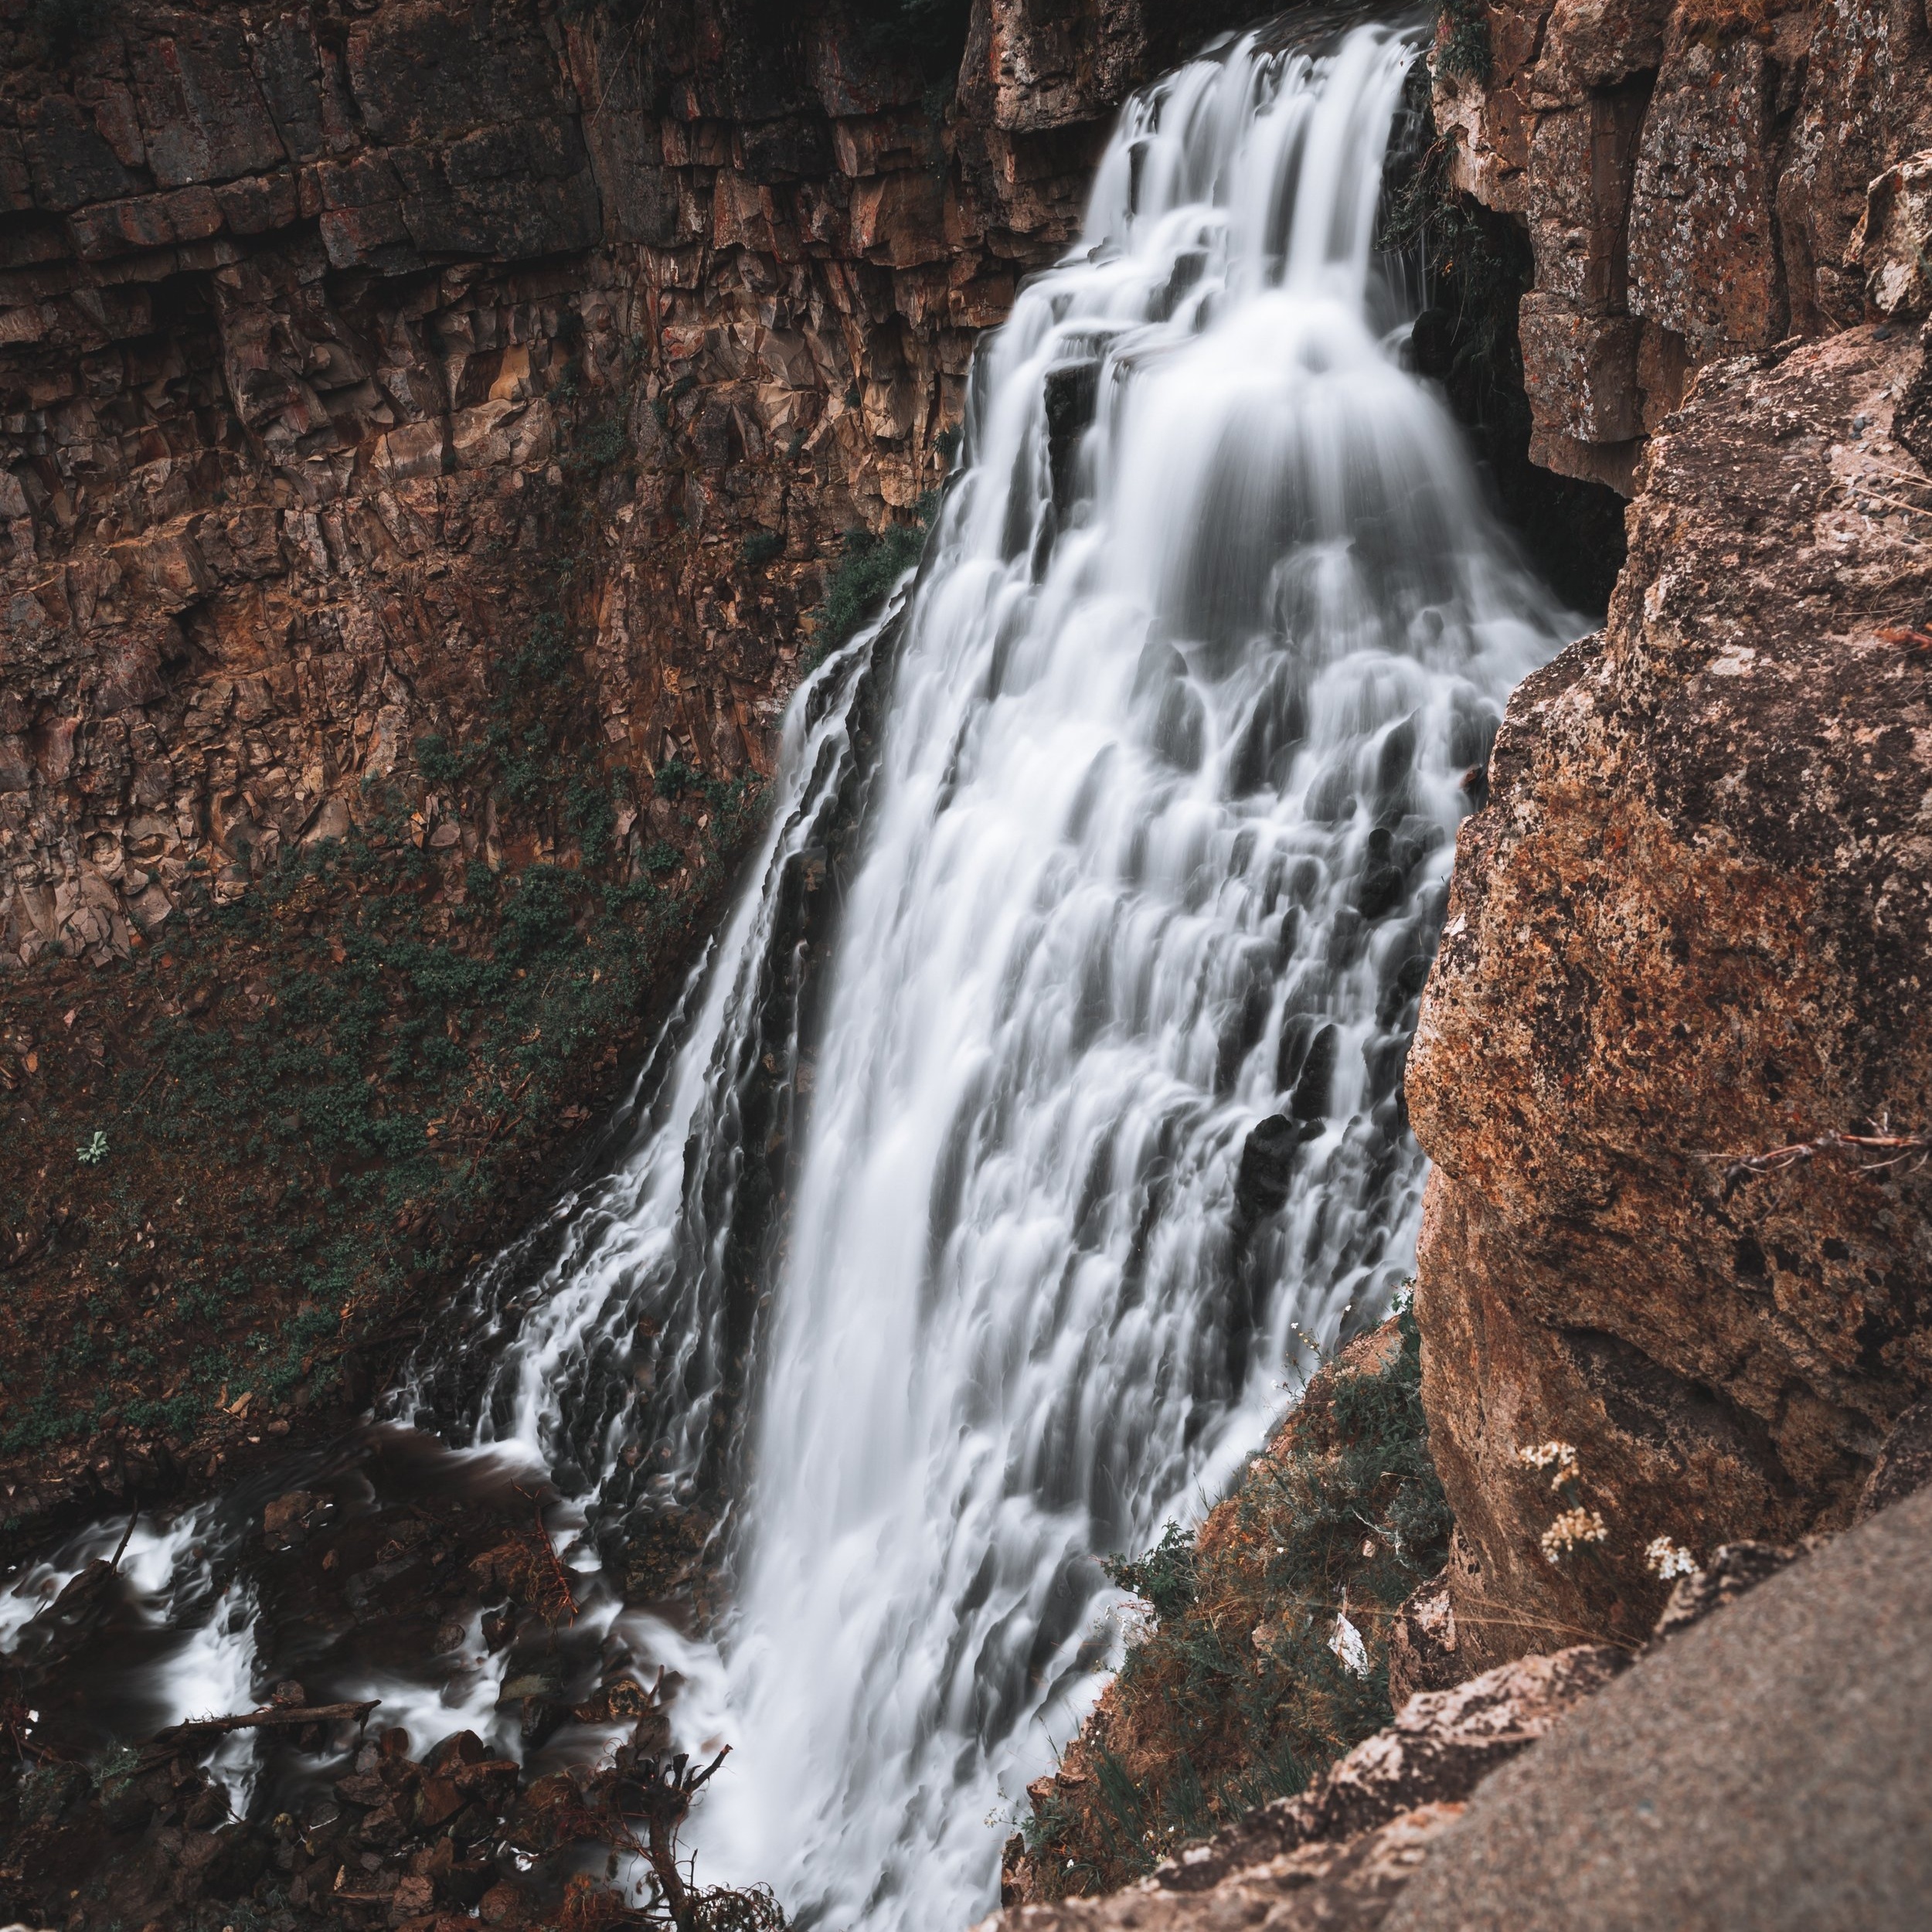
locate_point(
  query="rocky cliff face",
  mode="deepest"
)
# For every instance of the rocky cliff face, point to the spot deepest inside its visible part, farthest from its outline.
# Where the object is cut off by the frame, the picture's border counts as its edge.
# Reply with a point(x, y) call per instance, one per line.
point(1691, 925)
point(1692, 177)
point(327, 334)
point(428, 429)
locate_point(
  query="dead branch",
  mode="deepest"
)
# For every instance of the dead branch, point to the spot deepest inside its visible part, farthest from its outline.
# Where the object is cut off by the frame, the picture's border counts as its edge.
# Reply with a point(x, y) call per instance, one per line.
point(561, 1607)
point(1894, 1149)
point(197, 1728)
point(127, 1537)
point(659, 1790)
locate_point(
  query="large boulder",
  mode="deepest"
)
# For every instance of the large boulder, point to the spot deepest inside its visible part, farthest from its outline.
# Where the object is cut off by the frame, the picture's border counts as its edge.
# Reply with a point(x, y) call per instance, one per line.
point(1693, 924)
point(1771, 1768)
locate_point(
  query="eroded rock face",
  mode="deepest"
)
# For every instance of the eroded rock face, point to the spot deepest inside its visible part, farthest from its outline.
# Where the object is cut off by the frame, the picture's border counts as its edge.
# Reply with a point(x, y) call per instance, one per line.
point(1694, 923)
point(1693, 179)
point(326, 337)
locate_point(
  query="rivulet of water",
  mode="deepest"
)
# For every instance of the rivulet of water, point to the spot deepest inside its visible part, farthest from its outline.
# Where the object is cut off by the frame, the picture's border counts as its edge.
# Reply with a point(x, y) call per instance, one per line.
point(944, 1256)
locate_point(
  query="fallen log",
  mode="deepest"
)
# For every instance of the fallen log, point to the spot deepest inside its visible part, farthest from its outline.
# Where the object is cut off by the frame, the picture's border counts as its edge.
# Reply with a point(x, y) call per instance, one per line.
point(164, 1743)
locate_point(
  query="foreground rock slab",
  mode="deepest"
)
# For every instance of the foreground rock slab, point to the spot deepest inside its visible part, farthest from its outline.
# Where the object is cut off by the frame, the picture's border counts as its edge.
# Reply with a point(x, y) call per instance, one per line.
point(1338, 1854)
point(1771, 1768)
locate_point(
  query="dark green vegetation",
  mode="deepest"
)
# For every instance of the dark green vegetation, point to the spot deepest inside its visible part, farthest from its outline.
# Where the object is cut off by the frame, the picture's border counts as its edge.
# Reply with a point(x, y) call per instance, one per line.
point(1462, 39)
point(1236, 1694)
point(870, 566)
point(251, 1151)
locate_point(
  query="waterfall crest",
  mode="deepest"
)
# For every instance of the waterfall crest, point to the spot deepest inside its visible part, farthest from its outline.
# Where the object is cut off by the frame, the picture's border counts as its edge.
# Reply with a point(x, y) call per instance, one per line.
point(1149, 844)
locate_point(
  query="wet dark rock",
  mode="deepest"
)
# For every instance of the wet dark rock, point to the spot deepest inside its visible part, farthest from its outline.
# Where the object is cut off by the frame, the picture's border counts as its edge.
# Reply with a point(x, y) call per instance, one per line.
point(1263, 1181)
point(1384, 884)
point(1432, 342)
point(1314, 1084)
point(1073, 393)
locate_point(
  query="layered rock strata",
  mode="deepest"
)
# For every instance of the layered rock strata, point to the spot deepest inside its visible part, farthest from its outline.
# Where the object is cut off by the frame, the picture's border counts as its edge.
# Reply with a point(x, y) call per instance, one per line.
point(326, 334)
point(1693, 181)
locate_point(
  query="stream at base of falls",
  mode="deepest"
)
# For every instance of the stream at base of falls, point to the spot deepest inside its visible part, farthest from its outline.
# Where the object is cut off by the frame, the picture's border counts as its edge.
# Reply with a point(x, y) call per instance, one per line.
point(1037, 1106)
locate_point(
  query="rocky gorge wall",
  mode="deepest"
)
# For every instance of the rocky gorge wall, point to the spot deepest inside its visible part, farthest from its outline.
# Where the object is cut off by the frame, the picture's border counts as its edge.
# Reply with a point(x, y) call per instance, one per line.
point(1691, 924)
point(322, 330)
point(429, 431)
point(1692, 177)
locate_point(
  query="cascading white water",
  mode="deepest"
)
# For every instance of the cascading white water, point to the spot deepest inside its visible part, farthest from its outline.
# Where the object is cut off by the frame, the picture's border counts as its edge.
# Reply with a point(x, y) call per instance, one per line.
point(1158, 846)
point(1128, 831)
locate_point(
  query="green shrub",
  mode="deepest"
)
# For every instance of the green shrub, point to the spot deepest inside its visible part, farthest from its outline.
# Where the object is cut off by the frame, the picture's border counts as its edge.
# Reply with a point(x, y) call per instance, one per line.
point(673, 777)
point(760, 548)
point(868, 569)
point(600, 444)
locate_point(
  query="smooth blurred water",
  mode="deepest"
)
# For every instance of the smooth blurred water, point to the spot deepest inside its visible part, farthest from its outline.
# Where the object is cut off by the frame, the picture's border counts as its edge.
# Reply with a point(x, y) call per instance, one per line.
point(924, 1279)
point(1170, 774)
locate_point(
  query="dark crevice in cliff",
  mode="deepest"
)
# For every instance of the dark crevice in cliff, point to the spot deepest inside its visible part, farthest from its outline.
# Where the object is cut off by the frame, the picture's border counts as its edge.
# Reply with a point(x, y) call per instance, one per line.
point(1474, 267)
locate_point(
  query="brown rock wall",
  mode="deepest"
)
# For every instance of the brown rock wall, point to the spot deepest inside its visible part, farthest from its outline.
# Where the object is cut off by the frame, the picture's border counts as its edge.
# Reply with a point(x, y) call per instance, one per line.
point(1691, 176)
point(1692, 922)
point(324, 335)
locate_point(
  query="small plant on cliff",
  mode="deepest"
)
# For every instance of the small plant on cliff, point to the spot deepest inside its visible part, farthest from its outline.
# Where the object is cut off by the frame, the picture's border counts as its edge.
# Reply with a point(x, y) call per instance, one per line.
point(760, 548)
point(1462, 40)
point(868, 569)
point(1266, 1654)
point(92, 1151)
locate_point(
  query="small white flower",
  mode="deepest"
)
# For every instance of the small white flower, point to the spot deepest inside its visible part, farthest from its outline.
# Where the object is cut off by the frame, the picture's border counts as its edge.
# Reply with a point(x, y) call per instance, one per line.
point(1570, 1531)
point(1559, 1456)
point(1667, 1559)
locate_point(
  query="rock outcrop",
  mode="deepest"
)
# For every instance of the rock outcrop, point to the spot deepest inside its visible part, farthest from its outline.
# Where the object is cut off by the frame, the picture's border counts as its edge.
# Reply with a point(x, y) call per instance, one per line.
point(1338, 1854)
point(1693, 177)
point(1768, 1767)
point(1693, 925)
point(325, 334)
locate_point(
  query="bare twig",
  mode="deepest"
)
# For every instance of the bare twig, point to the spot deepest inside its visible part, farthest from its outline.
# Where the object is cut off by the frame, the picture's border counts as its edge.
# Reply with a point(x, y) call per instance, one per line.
point(562, 1607)
point(127, 1536)
point(1894, 1149)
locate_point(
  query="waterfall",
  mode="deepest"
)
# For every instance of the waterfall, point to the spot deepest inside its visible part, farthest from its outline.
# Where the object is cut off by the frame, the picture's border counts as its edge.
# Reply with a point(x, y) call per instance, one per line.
point(1150, 845)
point(1208, 635)
point(1041, 1097)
